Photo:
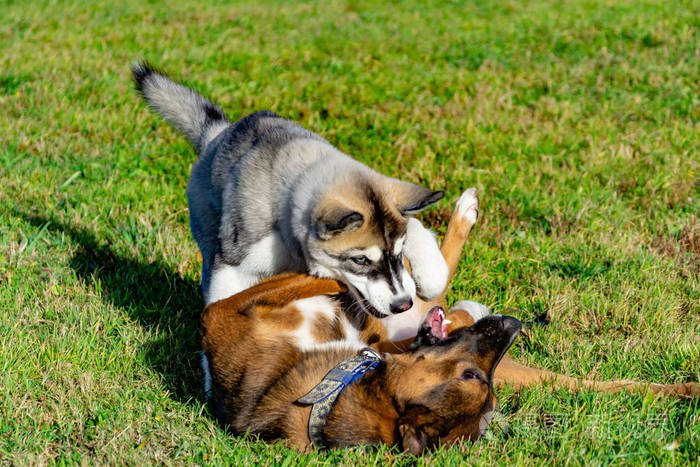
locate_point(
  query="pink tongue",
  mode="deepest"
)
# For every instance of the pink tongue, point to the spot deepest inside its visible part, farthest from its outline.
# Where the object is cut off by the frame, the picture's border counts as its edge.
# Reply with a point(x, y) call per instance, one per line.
point(436, 321)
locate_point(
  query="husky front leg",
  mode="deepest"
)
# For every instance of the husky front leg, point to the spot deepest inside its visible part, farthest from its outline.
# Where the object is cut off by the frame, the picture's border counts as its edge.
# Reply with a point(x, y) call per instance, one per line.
point(428, 266)
point(463, 218)
point(432, 267)
point(226, 280)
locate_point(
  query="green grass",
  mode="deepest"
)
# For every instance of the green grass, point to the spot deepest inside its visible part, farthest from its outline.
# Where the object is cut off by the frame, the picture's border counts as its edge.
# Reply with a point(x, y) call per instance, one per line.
point(578, 122)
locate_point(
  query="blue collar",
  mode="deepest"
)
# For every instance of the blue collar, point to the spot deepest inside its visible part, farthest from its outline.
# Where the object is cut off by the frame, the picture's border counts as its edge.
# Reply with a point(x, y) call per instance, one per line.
point(323, 396)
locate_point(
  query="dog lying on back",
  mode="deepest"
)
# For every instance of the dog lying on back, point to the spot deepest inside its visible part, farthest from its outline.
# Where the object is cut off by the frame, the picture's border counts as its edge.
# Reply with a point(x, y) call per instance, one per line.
point(267, 196)
point(269, 345)
point(438, 392)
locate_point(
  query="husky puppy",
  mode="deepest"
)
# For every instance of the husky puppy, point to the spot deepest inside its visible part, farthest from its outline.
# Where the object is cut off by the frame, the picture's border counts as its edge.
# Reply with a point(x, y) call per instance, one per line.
point(267, 196)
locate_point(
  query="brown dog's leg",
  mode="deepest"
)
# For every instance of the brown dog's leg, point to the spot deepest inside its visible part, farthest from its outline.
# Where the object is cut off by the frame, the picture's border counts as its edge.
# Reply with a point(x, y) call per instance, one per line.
point(513, 374)
point(275, 292)
point(460, 224)
point(281, 290)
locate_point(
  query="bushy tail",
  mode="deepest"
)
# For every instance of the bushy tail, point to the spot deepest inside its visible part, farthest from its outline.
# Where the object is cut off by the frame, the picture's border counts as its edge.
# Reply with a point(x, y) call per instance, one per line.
point(193, 115)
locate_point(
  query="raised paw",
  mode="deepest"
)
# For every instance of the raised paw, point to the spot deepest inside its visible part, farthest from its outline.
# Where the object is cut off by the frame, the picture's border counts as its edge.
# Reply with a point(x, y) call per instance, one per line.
point(468, 205)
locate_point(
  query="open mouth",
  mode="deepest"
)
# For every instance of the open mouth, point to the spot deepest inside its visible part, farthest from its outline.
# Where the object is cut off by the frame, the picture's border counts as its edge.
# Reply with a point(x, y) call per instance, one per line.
point(370, 309)
point(436, 324)
point(364, 304)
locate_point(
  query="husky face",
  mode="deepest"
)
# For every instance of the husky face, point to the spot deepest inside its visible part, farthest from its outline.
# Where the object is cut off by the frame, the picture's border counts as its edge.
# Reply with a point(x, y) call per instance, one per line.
point(374, 272)
point(358, 235)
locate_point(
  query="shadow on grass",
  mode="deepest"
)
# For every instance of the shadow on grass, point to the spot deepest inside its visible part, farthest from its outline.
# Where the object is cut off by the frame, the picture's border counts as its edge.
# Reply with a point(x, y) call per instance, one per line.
point(154, 295)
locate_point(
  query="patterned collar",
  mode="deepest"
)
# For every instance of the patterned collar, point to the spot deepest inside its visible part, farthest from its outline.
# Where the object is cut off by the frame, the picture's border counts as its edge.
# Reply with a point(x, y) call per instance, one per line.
point(323, 396)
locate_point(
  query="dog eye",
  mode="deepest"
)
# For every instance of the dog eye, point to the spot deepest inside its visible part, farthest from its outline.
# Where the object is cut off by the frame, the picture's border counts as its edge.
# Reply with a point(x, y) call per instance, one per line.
point(469, 374)
point(360, 260)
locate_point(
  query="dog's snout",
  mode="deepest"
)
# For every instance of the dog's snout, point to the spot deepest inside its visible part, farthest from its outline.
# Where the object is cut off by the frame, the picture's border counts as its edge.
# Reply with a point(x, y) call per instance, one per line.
point(401, 306)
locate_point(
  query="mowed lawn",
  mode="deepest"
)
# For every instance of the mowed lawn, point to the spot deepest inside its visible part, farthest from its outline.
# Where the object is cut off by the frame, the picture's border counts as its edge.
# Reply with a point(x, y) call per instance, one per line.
point(578, 122)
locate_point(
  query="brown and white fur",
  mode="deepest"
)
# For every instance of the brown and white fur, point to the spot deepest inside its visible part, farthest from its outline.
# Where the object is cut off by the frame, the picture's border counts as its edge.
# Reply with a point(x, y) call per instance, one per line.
point(276, 341)
point(439, 391)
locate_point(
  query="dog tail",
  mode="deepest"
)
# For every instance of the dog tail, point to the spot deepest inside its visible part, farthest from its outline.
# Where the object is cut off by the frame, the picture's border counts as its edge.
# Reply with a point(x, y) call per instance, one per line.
point(193, 115)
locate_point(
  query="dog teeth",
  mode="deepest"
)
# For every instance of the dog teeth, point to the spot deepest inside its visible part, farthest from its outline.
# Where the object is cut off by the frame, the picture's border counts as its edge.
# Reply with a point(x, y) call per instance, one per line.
point(446, 321)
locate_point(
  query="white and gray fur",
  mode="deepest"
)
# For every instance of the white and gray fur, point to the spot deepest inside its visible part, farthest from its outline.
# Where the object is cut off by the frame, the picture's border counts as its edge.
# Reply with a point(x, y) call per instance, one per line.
point(253, 191)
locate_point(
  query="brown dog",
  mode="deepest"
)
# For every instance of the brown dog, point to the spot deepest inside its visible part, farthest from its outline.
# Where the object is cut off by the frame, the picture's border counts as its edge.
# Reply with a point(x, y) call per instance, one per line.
point(439, 391)
point(271, 344)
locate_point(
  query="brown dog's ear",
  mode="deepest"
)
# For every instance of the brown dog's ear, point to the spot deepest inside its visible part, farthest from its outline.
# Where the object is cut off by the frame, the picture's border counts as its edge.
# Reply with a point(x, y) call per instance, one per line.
point(410, 198)
point(494, 336)
point(412, 441)
point(336, 219)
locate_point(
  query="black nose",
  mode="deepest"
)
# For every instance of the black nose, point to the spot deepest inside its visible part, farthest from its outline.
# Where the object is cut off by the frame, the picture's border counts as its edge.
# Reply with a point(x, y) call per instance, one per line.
point(401, 306)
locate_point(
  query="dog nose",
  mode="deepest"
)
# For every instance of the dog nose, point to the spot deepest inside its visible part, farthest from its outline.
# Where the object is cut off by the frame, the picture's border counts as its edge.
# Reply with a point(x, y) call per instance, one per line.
point(400, 307)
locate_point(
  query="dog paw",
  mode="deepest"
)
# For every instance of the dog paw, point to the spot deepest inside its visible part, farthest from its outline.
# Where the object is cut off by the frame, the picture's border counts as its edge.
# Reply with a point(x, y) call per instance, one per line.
point(428, 266)
point(475, 309)
point(468, 205)
point(430, 286)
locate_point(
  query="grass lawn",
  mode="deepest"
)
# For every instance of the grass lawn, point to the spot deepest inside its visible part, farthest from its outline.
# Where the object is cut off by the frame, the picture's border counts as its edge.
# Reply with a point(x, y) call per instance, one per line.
point(578, 122)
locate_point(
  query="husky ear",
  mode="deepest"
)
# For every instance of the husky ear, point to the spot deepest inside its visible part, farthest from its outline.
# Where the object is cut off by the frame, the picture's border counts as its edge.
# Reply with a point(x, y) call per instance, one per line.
point(412, 198)
point(330, 222)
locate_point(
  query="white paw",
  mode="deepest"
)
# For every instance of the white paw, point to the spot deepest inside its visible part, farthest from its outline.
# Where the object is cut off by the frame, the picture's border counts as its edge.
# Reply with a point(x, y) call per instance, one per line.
point(475, 309)
point(468, 205)
point(428, 266)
